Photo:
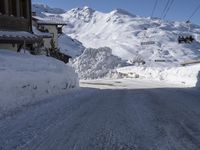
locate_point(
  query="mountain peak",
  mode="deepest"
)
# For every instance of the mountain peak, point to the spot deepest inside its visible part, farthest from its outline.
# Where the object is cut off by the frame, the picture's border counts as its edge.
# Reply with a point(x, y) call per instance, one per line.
point(120, 11)
point(87, 7)
point(85, 10)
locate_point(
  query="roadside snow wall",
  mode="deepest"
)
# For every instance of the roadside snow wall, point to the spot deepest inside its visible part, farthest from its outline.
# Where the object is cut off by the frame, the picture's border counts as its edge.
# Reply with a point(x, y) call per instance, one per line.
point(188, 75)
point(25, 78)
point(97, 63)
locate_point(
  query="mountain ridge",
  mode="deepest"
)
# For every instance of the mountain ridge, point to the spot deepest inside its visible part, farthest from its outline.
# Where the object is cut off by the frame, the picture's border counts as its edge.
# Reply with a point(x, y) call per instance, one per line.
point(124, 32)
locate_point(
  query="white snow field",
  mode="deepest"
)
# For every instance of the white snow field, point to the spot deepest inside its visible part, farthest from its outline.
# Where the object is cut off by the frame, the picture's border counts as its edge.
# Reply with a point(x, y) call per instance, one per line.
point(25, 78)
point(188, 75)
point(134, 117)
point(100, 63)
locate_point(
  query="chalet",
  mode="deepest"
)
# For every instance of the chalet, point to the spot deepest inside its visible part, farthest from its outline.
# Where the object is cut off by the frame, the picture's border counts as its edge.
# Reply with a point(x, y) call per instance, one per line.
point(50, 28)
point(16, 25)
point(48, 25)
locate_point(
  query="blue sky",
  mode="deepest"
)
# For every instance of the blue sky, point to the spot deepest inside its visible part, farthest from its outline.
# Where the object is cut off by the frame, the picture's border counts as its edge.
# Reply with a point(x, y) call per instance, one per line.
point(180, 10)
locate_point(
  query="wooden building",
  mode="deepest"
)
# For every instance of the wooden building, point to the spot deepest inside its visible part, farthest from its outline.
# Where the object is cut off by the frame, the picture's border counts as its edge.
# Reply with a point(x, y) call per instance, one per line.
point(16, 25)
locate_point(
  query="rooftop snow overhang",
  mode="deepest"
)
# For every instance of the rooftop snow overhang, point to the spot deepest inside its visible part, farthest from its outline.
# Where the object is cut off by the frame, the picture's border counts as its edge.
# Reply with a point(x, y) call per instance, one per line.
point(18, 37)
point(51, 23)
point(48, 21)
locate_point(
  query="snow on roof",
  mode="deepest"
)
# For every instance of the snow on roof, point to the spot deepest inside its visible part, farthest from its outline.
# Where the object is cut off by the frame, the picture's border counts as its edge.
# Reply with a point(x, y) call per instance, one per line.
point(49, 20)
point(42, 34)
point(18, 36)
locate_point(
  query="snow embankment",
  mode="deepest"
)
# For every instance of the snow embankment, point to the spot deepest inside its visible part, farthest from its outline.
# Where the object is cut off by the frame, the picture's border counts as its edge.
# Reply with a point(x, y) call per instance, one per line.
point(97, 63)
point(25, 79)
point(69, 46)
point(188, 75)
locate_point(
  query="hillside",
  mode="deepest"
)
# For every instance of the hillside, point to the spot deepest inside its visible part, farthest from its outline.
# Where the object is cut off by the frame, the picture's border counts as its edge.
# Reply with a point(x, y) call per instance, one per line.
point(124, 32)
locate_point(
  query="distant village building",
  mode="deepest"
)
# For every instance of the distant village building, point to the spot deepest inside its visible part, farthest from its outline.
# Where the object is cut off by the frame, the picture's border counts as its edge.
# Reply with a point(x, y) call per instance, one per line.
point(16, 25)
point(49, 28)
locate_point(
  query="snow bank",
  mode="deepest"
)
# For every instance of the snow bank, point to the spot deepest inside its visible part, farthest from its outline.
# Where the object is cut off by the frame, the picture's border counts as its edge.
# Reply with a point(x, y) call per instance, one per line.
point(70, 46)
point(25, 79)
point(188, 76)
point(97, 63)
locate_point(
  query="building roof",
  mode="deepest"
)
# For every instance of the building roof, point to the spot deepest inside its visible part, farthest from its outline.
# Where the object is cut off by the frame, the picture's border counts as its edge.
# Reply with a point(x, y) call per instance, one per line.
point(41, 34)
point(18, 37)
point(49, 20)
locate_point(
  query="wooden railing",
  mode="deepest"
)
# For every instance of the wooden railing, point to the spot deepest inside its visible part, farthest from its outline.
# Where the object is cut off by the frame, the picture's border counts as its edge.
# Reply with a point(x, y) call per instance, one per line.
point(14, 23)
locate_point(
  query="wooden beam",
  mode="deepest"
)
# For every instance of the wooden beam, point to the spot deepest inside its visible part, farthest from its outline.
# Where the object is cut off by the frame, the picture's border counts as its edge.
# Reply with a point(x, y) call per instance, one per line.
point(6, 3)
point(28, 8)
point(18, 8)
point(30, 14)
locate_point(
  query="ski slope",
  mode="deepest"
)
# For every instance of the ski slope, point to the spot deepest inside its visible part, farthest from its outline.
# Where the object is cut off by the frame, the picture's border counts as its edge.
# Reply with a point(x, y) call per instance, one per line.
point(124, 32)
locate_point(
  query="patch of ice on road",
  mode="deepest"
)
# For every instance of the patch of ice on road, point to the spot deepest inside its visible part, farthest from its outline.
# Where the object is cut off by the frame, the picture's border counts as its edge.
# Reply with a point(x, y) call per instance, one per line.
point(97, 63)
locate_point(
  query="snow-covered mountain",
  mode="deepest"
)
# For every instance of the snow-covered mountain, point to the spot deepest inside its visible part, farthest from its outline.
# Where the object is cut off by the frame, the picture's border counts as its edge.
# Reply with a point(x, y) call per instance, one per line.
point(124, 32)
point(41, 9)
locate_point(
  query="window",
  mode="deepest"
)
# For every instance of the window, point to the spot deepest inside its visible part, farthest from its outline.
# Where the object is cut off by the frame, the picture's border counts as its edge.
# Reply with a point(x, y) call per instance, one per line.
point(24, 8)
point(2, 7)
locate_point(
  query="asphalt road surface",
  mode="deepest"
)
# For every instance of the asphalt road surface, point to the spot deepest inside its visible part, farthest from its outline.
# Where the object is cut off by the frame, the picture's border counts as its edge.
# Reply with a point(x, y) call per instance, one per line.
point(107, 119)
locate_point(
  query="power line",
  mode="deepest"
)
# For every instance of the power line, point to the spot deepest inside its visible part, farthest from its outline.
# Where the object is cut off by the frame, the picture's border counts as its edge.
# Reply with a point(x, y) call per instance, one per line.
point(165, 8)
point(154, 8)
point(170, 5)
point(194, 12)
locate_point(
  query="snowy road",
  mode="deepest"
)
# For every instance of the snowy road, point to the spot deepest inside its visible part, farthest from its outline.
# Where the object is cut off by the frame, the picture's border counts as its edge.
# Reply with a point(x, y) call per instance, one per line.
point(107, 119)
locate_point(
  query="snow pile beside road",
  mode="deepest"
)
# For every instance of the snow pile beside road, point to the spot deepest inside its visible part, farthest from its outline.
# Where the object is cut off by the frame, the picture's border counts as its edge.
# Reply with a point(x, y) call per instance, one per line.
point(188, 76)
point(25, 79)
point(97, 63)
